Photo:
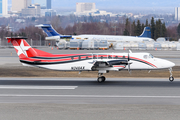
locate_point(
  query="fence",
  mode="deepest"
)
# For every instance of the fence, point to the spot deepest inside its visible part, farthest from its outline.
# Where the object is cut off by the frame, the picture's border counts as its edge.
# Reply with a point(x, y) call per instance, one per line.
point(105, 44)
point(4, 43)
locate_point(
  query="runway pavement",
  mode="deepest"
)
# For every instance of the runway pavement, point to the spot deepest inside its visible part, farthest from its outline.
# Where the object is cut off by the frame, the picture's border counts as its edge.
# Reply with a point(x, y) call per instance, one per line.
point(84, 98)
point(88, 91)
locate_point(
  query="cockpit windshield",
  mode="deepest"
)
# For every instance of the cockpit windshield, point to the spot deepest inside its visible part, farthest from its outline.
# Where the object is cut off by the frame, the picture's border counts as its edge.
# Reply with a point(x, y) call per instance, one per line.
point(151, 56)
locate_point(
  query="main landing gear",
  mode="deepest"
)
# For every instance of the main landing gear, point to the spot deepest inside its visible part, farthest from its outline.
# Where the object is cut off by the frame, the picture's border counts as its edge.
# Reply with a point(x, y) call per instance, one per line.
point(101, 78)
point(171, 78)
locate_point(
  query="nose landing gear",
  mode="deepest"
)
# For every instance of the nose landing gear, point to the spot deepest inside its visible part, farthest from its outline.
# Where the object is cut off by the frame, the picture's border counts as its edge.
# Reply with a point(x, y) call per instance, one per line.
point(171, 78)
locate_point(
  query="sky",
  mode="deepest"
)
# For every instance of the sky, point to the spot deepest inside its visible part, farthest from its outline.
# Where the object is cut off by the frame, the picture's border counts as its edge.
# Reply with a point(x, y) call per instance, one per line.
point(118, 4)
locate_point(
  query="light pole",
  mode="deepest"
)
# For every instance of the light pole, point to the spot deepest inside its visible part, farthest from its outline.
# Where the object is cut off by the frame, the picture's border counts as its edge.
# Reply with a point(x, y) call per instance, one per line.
point(40, 37)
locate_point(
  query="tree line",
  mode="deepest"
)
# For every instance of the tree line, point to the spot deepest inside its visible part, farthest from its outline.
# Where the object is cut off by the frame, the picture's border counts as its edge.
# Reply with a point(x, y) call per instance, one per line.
point(122, 27)
point(158, 29)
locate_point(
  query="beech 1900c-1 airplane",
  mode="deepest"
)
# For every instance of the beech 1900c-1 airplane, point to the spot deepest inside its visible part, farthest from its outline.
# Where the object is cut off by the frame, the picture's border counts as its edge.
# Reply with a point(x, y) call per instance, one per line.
point(101, 62)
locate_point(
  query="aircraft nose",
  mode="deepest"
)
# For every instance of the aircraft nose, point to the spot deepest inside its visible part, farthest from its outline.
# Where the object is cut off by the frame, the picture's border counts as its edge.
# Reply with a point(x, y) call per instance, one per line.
point(171, 64)
point(168, 64)
point(165, 63)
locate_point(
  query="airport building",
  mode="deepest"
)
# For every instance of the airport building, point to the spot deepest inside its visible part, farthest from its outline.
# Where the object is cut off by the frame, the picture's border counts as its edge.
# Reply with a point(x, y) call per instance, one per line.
point(3, 7)
point(18, 5)
point(32, 10)
point(48, 12)
point(177, 13)
point(45, 4)
point(82, 7)
point(89, 9)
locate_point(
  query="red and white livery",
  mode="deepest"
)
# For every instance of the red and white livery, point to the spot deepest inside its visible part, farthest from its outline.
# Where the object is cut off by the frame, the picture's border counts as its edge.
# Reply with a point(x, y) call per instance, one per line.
point(101, 62)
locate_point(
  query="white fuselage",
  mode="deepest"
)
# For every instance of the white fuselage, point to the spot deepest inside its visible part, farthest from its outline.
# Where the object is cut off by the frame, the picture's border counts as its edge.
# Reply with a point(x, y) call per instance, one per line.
point(109, 38)
point(138, 61)
point(113, 38)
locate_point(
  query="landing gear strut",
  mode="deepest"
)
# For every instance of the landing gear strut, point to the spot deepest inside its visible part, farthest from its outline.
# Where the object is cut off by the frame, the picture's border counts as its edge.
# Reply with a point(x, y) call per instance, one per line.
point(101, 78)
point(171, 78)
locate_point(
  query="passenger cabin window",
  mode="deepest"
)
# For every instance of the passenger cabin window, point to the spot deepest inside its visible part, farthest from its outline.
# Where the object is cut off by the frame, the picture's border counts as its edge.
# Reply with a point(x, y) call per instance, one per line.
point(79, 57)
point(101, 57)
point(72, 58)
point(116, 57)
point(87, 57)
point(123, 56)
point(94, 57)
point(109, 57)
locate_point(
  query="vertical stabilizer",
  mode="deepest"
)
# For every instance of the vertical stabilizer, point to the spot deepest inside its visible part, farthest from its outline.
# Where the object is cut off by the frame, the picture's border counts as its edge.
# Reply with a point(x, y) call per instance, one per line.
point(49, 30)
point(146, 32)
point(23, 49)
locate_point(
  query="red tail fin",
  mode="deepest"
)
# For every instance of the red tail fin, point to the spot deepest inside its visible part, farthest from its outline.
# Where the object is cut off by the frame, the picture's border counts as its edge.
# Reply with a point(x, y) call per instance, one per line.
point(22, 48)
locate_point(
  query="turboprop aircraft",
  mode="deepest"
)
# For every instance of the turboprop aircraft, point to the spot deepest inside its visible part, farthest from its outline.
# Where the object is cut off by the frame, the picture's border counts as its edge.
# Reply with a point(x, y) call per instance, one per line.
point(54, 35)
point(101, 62)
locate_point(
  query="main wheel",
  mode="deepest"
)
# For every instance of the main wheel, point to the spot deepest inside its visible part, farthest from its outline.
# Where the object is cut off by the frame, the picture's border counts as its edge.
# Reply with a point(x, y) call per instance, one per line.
point(171, 79)
point(104, 79)
point(100, 80)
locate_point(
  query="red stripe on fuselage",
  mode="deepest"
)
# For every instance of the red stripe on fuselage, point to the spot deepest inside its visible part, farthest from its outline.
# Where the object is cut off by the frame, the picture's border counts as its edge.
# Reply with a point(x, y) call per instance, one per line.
point(143, 61)
point(77, 58)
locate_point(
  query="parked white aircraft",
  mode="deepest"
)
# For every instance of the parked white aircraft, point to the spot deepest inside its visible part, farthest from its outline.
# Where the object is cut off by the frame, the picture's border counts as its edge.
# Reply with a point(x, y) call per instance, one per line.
point(101, 62)
point(54, 35)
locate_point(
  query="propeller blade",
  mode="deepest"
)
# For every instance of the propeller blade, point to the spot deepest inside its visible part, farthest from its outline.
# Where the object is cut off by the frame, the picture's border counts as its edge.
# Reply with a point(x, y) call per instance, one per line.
point(129, 69)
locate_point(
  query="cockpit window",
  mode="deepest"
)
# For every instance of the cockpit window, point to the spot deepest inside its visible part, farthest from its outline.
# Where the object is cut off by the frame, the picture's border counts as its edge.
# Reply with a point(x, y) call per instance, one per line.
point(151, 56)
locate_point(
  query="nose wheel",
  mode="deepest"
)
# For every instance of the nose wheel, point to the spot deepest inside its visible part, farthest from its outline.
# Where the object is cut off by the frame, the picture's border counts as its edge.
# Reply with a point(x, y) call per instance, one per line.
point(101, 78)
point(171, 78)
